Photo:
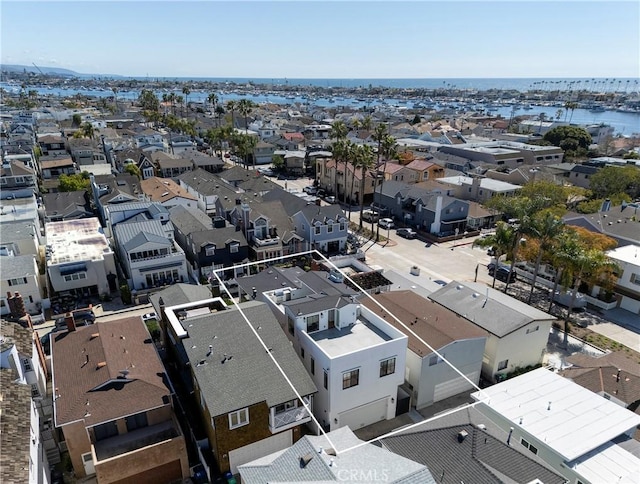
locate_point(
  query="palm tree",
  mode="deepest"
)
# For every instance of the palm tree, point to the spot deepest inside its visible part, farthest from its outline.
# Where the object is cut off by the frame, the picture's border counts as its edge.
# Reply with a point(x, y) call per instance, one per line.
point(367, 123)
point(115, 97)
point(87, 130)
point(365, 161)
point(342, 150)
point(559, 113)
point(213, 100)
point(338, 133)
point(219, 111)
point(232, 106)
point(501, 241)
point(180, 101)
point(186, 91)
point(389, 151)
point(245, 106)
point(545, 228)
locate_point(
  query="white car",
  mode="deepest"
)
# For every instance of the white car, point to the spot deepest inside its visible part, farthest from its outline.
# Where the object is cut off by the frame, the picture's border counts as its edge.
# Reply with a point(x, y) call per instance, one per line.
point(148, 316)
point(386, 223)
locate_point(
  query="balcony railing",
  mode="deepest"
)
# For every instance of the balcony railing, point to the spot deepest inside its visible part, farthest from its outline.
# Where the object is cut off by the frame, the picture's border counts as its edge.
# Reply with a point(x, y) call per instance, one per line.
point(269, 241)
point(137, 439)
point(291, 417)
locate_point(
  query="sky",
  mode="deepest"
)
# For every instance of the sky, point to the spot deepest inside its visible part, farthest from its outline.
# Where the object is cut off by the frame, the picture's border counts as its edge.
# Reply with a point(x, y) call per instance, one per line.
point(326, 39)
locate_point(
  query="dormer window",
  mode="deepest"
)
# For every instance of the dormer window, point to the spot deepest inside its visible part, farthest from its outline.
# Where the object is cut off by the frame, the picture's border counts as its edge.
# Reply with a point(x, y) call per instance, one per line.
point(210, 250)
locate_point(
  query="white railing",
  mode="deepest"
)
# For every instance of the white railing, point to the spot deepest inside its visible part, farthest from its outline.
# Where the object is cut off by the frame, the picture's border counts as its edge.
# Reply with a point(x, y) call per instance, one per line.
point(291, 416)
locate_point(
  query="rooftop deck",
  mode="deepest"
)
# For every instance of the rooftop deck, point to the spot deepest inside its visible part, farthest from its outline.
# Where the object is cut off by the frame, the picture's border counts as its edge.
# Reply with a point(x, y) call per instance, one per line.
point(361, 335)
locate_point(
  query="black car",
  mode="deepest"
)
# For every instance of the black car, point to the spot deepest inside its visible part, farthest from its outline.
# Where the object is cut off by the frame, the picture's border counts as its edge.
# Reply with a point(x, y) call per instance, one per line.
point(503, 274)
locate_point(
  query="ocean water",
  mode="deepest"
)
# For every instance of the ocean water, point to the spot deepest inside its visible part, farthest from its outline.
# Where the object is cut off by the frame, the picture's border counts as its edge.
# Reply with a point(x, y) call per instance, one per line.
point(624, 123)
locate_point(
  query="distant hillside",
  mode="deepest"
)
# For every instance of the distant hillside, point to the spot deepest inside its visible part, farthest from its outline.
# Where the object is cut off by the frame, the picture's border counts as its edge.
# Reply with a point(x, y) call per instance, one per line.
point(47, 70)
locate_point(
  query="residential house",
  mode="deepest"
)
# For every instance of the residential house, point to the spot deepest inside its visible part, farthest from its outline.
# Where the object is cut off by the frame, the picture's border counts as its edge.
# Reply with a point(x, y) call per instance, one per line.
point(426, 170)
point(294, 162)
point(354, 356)
point(575, 431)
point(208, 244)
point(148, 252)
point(478, 189)
point(20, 238)
point(113, 405)
point(66, 206)
point(17, 180)
point(212, 164)
point(580, 175)
point(248, 408)
point(109, 190)
point(19, 210)
point(20, 276)
point(86, 152)
point(26, 439)
point(336, 178)
point(324, 228)
point(621, 222)
point(628, 283)
point(429, 378)
point(518, 333)
point(170, 166)
point(415, 206)
point(52, 167)
point(180, 145)
point(317, 459)
point(464, 446)
point(79, 258)
point(210, 191)
point(167, 192)
point(267, 228)
point(150, 141)
point(52, 145)
point(263, 152)
point(614, 376)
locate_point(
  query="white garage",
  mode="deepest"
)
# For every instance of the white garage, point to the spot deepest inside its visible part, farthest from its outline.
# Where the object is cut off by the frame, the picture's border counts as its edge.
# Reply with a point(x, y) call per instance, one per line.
point(263, 447)
point(454, 386)
point(364, 415)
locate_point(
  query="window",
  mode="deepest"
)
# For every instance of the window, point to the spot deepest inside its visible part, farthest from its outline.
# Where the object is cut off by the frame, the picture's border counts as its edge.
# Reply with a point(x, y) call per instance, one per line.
point(18, 281)
point(27, 364)
point(75, 277)
point(313, 366)
point(313, 323)
point(434, 360)
point(388, 366)
point(137, 421)
point(533, 330)
point(326, 379)
point(239, 418)
point(35, 391)
point(342, 226)
point(503, 364)
point(317, 230)
point(302, 353)
point(350, 379)
point(211, 250)
point(635, 279)
point(529, 446)
point(105, 430)
point(330, 228)
point(233, 248)
point(291, 327)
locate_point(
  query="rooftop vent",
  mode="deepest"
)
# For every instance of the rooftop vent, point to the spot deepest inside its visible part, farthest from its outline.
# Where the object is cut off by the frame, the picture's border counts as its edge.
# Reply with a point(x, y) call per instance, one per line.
point(462, 435)
point(305, 459)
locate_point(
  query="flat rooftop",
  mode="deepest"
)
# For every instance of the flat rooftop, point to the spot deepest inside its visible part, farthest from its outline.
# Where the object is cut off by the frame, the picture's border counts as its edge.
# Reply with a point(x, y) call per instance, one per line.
point(76, 240)
point(336, 342)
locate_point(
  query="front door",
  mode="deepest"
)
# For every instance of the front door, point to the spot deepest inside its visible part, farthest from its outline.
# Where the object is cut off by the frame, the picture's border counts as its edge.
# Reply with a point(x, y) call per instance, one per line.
point(87, 460)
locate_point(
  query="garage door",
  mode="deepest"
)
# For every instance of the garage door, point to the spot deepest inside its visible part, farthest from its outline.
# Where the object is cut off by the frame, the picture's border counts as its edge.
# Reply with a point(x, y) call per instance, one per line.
point(453, 387)
point(259, 449)
point(364, 415)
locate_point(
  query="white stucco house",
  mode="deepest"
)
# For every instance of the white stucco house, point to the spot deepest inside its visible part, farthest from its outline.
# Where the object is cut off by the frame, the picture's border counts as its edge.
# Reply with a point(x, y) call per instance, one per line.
point(628, 284)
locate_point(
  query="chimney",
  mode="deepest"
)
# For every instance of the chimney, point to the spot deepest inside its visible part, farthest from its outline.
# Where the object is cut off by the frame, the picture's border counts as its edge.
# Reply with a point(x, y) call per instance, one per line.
point(219, 223)
point(71, 322)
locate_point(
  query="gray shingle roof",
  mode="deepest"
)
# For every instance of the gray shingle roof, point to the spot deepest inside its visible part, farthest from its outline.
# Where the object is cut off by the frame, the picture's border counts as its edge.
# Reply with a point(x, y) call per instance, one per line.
point(133, 234)
point(367, 463)
point(501, 314)
point(179, 294)
point(480, 458)
point(219, 237)
point(15, 231)
point(17, 266)
point(250, 376)
point(188, 220)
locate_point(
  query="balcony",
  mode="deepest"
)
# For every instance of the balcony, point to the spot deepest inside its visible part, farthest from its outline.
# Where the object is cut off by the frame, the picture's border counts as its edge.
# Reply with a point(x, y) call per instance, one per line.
point(136, 440)
point(267, 242)
point(288, 418)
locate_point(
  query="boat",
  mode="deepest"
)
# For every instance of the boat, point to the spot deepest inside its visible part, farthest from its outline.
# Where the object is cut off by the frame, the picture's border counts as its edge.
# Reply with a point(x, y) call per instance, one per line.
point(597, 109)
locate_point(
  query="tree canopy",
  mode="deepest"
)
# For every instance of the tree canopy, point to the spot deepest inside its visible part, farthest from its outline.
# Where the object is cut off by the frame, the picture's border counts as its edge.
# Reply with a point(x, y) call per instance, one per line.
point(612, 180)
point(573, 140)
point(75, 182)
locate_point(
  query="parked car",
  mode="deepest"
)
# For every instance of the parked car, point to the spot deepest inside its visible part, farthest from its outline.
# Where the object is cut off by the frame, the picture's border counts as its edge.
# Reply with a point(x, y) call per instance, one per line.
point(370, 216)
point(148, 316)
point(266, 171)
point(79, 316)
point(503, 274)
point(311, 190)
point(386, 223)
point(407, 233)
point(330, 199)
point(564, 299)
